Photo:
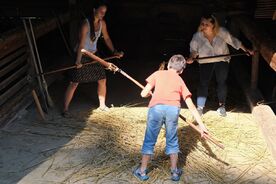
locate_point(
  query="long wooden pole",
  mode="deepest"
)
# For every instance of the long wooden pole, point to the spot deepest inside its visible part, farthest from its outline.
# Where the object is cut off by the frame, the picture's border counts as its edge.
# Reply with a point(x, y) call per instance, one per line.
point(98, 59)
point(211, 57)
point(37, 103)
point(116, 69)
point(221, 56)
point(258, 37)
point(48, 97)
point(44, 100)
point(207, 136)
point(130, 78)
point(72, 67)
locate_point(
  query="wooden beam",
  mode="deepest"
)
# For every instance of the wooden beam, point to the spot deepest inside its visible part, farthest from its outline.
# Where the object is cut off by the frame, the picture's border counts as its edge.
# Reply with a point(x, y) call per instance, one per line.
point(11, 41)
point(15, 39)
point(265, 45)
point(13, 65)
point(267, 121)
point(12, 56)
point(13, 77)
point(38, 105)
point(13, 53)
point(262, 113)
point(255, 70)
point(14, 89)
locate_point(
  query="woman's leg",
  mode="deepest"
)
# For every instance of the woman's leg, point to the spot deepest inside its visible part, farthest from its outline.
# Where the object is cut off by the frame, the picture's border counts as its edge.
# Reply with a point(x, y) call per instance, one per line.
point(69, 94)
point(221, 70)
point(102, 93)
point(205, 71)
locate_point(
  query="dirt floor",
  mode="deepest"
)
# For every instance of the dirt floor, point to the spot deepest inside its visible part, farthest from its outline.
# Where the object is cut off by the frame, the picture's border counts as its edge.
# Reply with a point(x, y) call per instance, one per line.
point(100, 147)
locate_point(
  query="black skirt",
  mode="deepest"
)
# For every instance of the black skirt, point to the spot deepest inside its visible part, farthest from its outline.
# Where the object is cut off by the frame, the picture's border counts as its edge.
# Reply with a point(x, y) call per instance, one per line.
point(89, 73)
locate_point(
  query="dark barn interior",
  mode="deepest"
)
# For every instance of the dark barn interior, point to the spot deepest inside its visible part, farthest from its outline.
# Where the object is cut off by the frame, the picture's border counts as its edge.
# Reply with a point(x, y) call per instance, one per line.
point(148, 32)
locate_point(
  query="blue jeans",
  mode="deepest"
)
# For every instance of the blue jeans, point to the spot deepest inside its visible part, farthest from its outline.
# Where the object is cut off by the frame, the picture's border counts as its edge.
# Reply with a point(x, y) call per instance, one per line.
point(157, 116)
point(206, 73)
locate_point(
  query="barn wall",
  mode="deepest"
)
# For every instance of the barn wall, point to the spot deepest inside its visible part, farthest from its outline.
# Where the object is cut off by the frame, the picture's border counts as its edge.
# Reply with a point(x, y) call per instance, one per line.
point(16, 69)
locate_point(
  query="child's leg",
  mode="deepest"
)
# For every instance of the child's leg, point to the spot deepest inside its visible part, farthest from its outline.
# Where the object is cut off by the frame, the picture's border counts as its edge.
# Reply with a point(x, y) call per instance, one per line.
point(154, 124)
point(141, 172)
point(144, 162)
point(174, 159)
point(172, 146)
point(175, 172)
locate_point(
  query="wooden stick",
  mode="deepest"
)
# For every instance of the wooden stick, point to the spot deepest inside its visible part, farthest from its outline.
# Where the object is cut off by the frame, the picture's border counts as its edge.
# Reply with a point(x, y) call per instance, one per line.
point(45, 86)
point(162, 65)
point(211, 139)
point(71, 67)
point(219, 56)
point(44, 100)
point(98, 59)
point(208, 137)
point(41, 113)
point(130, 78)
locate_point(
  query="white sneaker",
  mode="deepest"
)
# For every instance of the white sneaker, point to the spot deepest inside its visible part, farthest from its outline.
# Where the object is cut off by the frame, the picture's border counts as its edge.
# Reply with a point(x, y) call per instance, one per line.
point(200, 111)
point(103, 109)
point(221, 111)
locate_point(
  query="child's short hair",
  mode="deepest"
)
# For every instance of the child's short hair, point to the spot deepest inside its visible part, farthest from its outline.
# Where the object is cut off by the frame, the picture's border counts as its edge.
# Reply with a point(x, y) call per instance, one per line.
point(177, 62)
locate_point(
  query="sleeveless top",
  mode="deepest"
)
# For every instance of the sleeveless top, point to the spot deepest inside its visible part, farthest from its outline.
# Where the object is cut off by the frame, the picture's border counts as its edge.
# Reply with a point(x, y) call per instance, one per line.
point(90, 45)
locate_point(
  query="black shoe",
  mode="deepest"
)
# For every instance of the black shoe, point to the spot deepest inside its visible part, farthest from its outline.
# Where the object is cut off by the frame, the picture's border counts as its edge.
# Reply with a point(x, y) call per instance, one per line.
point(66, 114)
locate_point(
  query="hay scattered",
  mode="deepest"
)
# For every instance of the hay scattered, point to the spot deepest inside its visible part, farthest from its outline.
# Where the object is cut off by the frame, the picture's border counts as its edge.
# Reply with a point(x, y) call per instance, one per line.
point(118, 137)
point(107, 148)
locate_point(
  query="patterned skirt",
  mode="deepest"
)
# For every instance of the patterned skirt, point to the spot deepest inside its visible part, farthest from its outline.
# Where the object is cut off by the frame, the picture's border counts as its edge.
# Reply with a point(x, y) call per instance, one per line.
point(89, 73)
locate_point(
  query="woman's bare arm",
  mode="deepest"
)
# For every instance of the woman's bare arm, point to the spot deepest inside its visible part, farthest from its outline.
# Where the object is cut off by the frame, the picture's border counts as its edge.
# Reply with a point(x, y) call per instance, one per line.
point(107, 38)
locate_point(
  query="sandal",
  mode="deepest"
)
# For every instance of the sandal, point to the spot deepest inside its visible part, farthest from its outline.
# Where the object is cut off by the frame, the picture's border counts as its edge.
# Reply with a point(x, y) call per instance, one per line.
point(142, 176)
point(66, 114)
point(176, 174)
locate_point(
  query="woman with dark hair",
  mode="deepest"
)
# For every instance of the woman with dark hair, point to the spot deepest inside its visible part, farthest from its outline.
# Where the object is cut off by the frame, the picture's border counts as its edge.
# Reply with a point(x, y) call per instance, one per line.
point(89, 34)
point(212, 40)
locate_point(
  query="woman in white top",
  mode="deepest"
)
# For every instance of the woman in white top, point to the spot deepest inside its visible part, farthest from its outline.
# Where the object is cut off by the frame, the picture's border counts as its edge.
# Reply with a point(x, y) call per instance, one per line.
point(212, 40)
point(89, 34)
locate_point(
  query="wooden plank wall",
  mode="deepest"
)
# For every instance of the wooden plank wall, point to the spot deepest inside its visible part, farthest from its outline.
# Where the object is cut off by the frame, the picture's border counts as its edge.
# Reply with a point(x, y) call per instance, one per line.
point(14, 88)
point(15, 66)
point(265, 9)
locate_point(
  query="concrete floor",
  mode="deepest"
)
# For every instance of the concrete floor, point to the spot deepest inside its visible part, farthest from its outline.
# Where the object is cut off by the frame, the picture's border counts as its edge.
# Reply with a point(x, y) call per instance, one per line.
point(35, 151)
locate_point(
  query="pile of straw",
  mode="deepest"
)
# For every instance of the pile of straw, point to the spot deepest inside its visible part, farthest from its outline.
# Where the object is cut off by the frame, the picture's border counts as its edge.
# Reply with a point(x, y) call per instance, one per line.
point(113, 141)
